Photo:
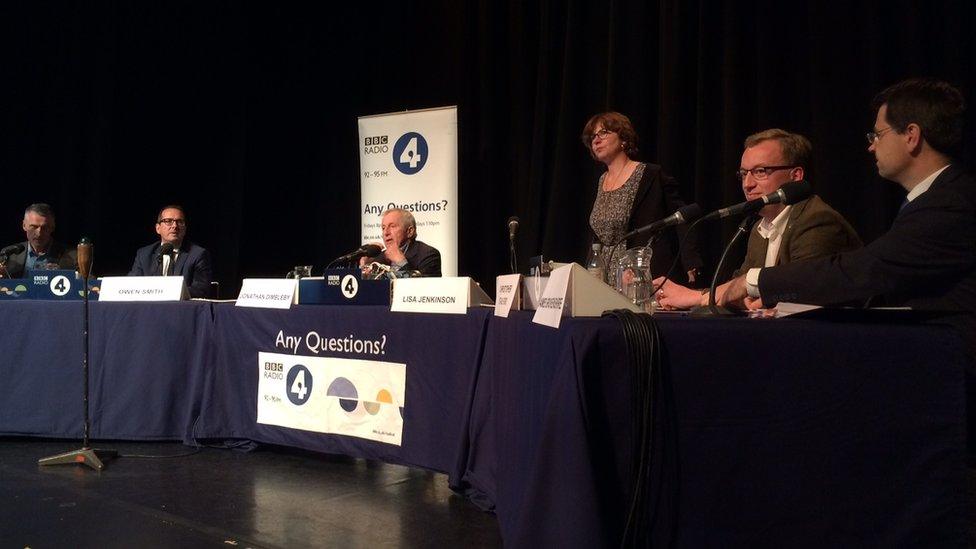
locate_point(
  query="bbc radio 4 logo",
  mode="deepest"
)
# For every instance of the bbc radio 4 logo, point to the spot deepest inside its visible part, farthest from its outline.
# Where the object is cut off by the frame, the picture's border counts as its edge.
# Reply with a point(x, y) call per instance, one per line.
point(410, 151)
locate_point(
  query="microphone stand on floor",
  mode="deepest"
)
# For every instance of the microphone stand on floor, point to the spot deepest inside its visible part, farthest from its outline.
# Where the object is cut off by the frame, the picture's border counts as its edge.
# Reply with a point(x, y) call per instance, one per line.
point(85, 455)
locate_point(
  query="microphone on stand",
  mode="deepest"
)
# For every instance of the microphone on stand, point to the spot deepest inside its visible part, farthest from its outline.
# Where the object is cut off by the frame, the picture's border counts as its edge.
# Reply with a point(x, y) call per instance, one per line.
point(11, 250)
point(368, 250)
point(788, 194)
point(513, 225)
point(165, 249)
point(685, 214)
point(86, 455)
point(5, 255)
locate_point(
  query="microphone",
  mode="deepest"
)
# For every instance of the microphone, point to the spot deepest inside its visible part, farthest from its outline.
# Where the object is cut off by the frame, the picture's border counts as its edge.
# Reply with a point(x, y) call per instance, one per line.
point(368, 250)
point(788, 194)
point(11, 250)
point(513, 224)
point(165, 249)
point(84, 257)
point(685, 214)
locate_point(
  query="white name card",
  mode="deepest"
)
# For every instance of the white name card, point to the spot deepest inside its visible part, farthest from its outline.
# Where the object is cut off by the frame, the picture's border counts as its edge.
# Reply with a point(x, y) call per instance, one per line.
point(452, 295)
point(507, 294)
point(142, 288)
point(267, 293)
point(555, 298)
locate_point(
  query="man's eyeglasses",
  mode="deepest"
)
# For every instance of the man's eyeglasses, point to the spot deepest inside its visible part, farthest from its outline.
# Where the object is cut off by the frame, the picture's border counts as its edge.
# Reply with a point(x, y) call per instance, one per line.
point(602, 134)
point(874, 136)
point(169, 222)
point(761, 172)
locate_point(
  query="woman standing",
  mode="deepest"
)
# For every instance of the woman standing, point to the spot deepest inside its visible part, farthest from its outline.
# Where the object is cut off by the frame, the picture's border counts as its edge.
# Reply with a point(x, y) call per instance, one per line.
point(632, 194)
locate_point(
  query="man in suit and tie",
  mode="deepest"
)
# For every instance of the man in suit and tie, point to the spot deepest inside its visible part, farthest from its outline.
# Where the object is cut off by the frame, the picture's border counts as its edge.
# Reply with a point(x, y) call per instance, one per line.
point(783, 234)
point(173, 255)
point(40, 251)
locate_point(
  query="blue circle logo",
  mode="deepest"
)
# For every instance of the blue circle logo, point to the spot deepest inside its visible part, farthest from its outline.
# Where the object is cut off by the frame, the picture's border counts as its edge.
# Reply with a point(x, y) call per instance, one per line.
point(298, 385)
point(410, 153)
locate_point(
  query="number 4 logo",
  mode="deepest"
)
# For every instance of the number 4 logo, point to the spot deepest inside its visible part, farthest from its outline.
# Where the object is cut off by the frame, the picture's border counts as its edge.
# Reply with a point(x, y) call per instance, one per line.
point(350, 286)
point(410, 153)
point(299, 383)
point(60, 285)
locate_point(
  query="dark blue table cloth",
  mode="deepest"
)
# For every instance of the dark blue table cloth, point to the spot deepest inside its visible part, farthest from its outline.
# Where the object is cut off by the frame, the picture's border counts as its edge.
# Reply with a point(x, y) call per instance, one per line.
point(147, 363)
point(441, 353)
point(790, 433)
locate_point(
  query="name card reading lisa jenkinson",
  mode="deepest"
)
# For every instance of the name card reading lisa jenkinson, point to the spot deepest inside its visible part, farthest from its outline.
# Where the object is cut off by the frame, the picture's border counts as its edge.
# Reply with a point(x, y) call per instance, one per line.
point(268, 293)
point(431, 295)
point(142, 288)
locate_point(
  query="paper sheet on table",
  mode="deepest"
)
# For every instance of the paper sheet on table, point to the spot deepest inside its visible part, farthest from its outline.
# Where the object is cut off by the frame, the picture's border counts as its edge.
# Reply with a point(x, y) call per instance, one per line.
point(785, 308)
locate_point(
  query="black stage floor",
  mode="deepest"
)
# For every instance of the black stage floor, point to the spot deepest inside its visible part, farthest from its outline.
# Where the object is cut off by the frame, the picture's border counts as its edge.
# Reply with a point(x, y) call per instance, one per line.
point(271, 497)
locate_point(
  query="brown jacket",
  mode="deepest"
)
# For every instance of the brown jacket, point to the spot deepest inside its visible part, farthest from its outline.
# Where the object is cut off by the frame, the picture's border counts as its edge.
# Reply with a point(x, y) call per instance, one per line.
point(814, 230)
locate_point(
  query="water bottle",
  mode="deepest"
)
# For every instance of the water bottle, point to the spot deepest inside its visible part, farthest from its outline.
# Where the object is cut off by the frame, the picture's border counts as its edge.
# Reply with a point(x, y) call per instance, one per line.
point(594, 263)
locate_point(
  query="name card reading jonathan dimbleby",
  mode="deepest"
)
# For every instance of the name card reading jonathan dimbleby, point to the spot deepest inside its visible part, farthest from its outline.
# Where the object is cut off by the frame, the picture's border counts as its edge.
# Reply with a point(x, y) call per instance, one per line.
point(507, 294)
point(143, 288)
point(267, 293)
point(451, 295)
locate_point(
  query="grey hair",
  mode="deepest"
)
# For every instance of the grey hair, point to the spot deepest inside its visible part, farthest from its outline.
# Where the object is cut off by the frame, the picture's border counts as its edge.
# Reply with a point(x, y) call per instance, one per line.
point(406, 216)
point(41, 209)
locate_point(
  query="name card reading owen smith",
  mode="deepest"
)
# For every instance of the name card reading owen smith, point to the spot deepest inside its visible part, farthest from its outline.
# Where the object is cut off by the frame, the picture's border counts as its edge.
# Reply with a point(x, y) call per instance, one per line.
point(431, 295)
point(142, 288)
point(268, 293)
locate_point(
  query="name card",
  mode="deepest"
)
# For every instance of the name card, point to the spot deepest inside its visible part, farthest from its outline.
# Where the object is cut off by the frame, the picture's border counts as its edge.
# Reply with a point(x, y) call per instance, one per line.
point(507, 294)
point(267, 293)
point(555, 298)
point(143, 288)
point(452, 295)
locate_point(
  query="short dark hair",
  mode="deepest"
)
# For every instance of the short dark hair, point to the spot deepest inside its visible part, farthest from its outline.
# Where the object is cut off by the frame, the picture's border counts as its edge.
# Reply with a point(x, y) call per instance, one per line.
point(40, 209)
point(797, 149)
point(174, 207)
point(936, 106)
point(615, 122)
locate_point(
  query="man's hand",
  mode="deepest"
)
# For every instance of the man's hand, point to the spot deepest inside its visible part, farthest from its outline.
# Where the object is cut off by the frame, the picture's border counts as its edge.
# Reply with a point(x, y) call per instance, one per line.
point(394, 254)
point(735, 294)
point(675, 296)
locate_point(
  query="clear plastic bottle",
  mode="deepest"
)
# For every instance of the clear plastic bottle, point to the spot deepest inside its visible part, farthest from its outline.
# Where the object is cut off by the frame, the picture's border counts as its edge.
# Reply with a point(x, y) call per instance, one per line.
point(594, 263)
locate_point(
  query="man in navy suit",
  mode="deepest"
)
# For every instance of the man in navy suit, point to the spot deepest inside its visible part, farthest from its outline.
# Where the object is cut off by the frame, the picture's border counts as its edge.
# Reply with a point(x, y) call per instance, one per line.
point(173, 255)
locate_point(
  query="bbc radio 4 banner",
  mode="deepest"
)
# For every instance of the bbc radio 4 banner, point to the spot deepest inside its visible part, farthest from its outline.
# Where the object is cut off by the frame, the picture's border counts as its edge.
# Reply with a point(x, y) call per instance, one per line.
point(358, 398)
point(409, 160)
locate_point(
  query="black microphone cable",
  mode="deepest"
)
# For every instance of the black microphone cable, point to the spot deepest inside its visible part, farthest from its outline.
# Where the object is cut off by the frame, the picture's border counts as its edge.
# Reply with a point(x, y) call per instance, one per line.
point(654, 497)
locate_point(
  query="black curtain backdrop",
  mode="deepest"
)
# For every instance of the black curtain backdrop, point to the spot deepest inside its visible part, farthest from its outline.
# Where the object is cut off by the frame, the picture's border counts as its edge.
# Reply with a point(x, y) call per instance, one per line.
point(246, 112)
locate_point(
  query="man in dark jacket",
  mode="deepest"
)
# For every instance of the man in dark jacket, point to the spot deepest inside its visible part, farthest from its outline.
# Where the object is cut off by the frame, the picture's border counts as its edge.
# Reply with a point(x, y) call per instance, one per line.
point(40, 251)
point(403, 252)
point(173, 255)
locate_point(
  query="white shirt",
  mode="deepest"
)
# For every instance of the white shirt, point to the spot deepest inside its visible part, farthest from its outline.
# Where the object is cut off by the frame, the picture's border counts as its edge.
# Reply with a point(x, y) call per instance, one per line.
point(924, 184)
point(752, 277)
point(166, 262)
point(773, 232)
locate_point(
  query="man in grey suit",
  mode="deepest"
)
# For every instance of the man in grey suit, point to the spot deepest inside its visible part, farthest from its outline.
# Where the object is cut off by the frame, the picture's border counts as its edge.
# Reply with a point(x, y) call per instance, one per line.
point(40, 251)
